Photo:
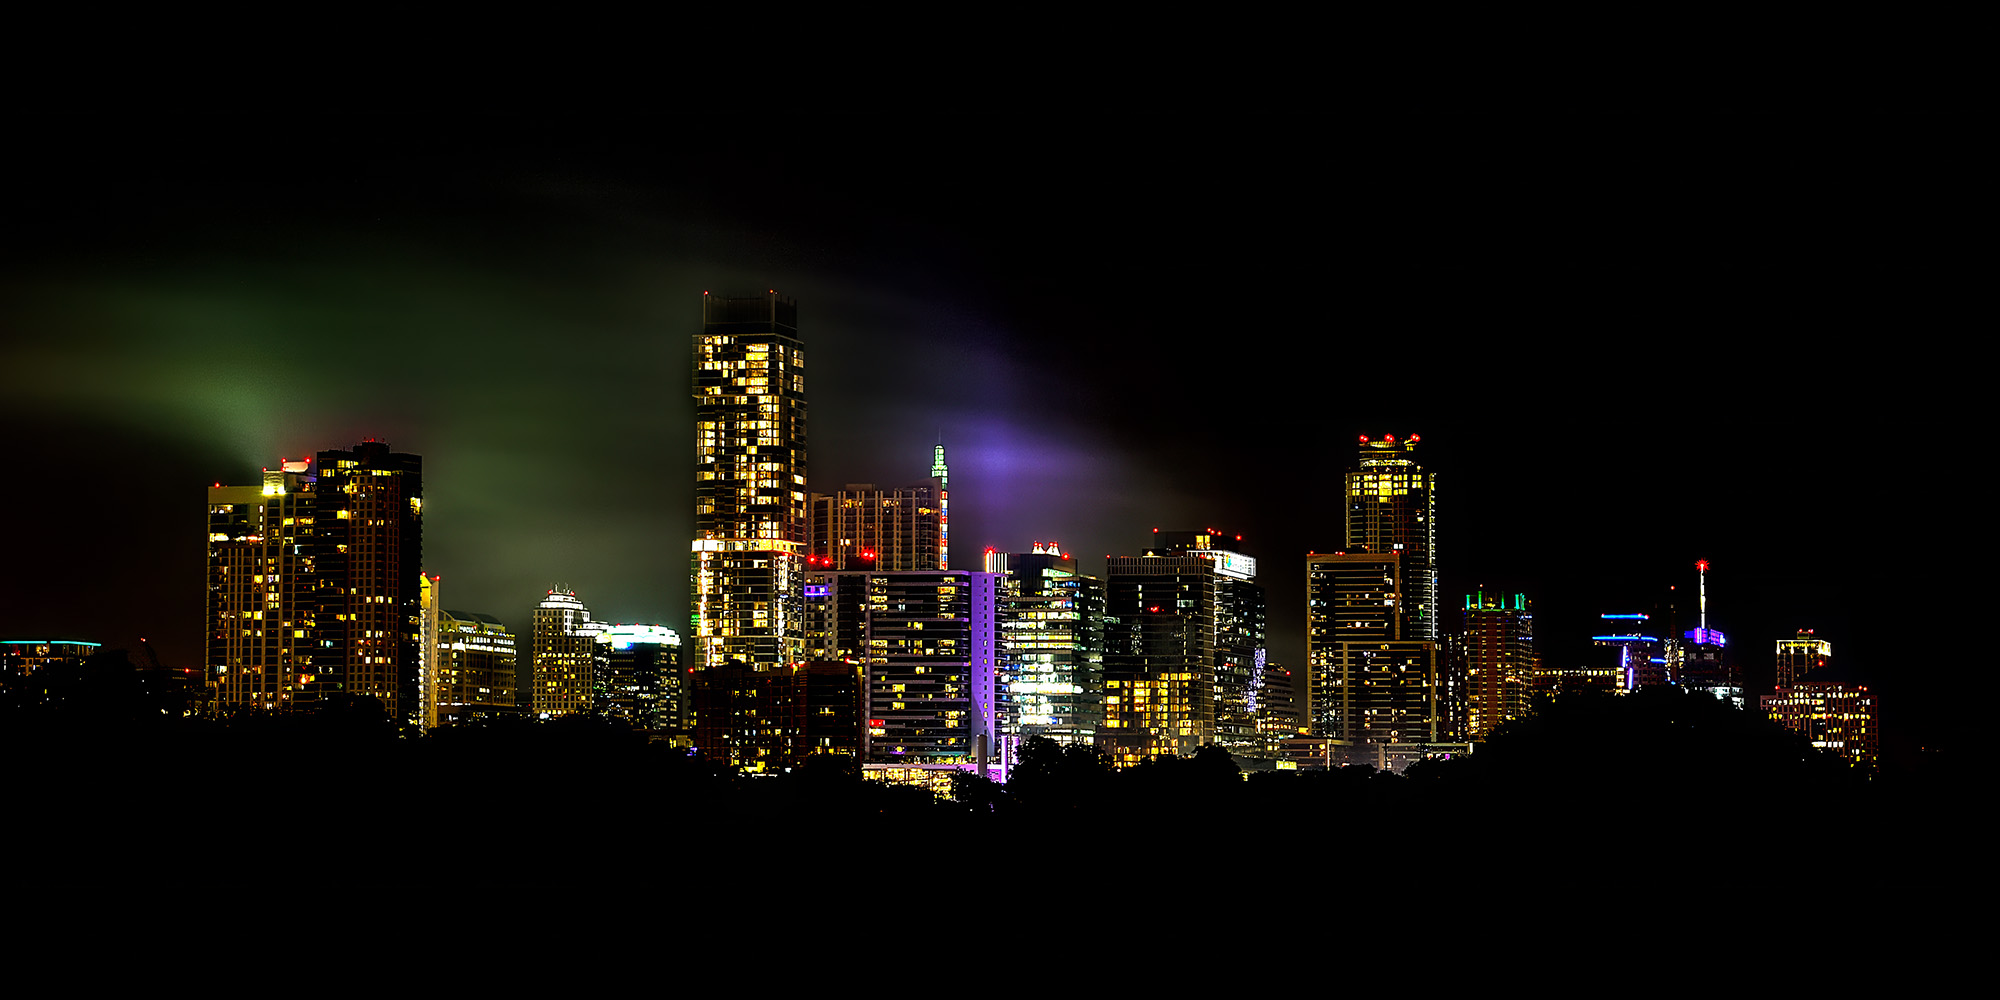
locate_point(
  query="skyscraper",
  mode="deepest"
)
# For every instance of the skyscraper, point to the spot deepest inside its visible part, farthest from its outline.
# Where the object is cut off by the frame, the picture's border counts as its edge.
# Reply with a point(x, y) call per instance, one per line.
point(369, 553)
point(1052, 623)
point(315, 583)
point(867, 527)
point(928, 642)
point(263, 647)
point(747, 573)
point(1500, 661)
point(476, 667)
point(565, 655)
point(1700, 660)
point(639, 677)
point(1184, 648)
point(1374, 669)
point(1800, 656)
point(1392, 508)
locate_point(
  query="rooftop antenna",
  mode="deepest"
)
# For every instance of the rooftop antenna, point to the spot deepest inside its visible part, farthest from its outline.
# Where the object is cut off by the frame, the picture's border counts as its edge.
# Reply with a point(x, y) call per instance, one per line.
point(1702, 565)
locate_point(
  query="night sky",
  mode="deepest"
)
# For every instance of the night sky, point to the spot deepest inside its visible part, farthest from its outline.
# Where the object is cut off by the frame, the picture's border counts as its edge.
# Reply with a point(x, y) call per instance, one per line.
point(1627, 347)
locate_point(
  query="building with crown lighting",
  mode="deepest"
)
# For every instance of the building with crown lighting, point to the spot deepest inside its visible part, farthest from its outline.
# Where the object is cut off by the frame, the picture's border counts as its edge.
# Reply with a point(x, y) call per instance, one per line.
point(639, 677)
point(1639, 659)
point(1498, 646)
point(314, 584)
point(1052, 649)
point(1375, 670)
point(748, 560)
point(1184, 648)
point(564, 656)
point(1801, 655)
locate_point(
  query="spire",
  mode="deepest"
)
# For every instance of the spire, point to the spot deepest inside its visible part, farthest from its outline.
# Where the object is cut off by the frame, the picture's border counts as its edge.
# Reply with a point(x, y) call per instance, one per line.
point(937, 462)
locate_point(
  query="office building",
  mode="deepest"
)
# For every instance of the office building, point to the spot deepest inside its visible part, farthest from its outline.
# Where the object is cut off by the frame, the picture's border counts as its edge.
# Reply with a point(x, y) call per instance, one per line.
point(1184, 648)
point(368, 544)
point(867, 527)
point(1052, 628)
point(565, 656)
point(639, 677)
point(1640, 660)
point(1701, 659)
point(475, 668)
point(315, 585)
point(1391, 504)
point(929, 646)
point(765, 721)
point(1833, 710)
point(263, 646)
point(1498, 647)
point(1375, 671)
point(22, 658)
point(750, 528)
point(1800, 656)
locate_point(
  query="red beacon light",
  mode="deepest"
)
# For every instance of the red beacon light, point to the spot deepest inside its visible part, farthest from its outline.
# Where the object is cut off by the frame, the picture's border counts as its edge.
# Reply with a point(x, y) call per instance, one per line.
point(1388, 439)
point(1414, 439)
point(1364, 439)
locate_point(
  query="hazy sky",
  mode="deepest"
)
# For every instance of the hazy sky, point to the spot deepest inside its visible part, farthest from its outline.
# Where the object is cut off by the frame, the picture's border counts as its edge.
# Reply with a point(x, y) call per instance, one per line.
point(1626, 347)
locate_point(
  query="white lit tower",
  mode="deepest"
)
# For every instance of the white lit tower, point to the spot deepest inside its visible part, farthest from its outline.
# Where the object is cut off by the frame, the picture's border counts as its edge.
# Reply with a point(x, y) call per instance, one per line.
point(747, 567)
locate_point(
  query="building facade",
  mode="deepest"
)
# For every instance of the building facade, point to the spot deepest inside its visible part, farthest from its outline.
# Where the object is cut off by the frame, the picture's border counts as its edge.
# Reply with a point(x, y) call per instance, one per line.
point(1801, 655)
point(565, 654)
point(315, 584)
point(1184, 648)
point(929, 647)
point(1052, 629)
point(1498, 646)
point(1639, 659)
point(475, 667)
point(1837, 714)
point(867, 527)
point(748, 557)
point(1375, 669)
point(639, 677)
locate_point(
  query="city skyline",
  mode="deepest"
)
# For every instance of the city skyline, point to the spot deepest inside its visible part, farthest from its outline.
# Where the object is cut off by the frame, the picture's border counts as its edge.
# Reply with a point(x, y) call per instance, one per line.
point(516, 310)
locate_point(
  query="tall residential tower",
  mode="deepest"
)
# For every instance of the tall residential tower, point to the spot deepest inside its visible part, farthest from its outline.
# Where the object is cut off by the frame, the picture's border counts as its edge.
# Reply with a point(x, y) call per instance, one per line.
point(747, 573)
point(1373, 662)
point(314, 583)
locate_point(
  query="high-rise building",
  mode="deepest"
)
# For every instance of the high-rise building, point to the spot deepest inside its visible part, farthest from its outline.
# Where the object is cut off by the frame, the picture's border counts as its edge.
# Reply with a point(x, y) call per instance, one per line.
point(315, 583)
point(263, 646)
point(1832, 709)
point(750, 528)
point(1184, 648)
point(1392, 508)
point(1701, 660)
point(475, 668)
point(1800, 656)
point(1640, 659)
point(639, 677)
point(1052, 628)
point(1375, 672)
point(929, 643)
point(767, 720)
point(369, 544)
point(565, 656)
point(1500, 660)
point(868, 527)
